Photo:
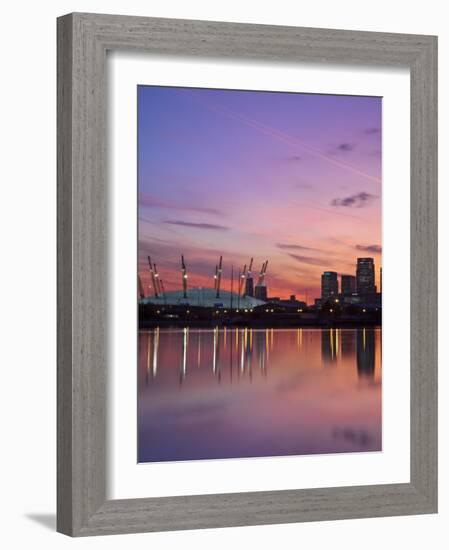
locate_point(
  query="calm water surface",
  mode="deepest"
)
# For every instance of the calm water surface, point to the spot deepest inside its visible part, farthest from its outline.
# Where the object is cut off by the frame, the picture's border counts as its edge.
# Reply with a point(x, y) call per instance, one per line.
point(205, 393)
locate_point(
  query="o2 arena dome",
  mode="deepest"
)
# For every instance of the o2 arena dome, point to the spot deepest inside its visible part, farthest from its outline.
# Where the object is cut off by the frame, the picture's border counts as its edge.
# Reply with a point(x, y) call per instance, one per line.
point(206, 297)
point(203, 297)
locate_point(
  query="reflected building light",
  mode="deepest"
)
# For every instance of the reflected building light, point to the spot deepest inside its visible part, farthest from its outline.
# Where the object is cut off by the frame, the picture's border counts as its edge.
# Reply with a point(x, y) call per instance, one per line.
point(224, 338)
point(366, 353)
point(242, 357)
point(248, 354)
point(267, 343)
point(184, 352)
point(337, 341)
point(214, 356)
point(258, 348)
point(328, 346)
point(148, 351)
point(299, 339)
point(199, 348)
point(263, 361)
point(272, 339)
point(347, 343)
point(155, 351)
point(260, 343)
point(230, 357)
point(218, 355)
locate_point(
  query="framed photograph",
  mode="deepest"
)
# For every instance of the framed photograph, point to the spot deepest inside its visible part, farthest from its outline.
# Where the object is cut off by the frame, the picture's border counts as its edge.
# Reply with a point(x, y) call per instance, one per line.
point(247, 278)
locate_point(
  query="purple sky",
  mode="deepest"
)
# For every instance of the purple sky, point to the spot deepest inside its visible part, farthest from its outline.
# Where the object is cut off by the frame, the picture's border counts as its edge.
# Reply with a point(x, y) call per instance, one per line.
point(292, 178)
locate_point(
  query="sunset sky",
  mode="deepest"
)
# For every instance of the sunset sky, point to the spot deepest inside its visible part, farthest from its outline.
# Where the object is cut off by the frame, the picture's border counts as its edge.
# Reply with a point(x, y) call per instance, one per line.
point(292, 178)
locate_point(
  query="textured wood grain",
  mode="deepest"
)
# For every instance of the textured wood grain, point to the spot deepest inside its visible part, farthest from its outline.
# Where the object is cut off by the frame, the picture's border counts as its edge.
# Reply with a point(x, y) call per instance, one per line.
point(83, 40)
point(64, 278)
point(424, 304)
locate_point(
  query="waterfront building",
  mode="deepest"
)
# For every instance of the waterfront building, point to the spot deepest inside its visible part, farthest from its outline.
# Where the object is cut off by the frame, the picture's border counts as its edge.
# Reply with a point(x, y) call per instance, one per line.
point(348, 285)
point(365, 276)
point(329, 285)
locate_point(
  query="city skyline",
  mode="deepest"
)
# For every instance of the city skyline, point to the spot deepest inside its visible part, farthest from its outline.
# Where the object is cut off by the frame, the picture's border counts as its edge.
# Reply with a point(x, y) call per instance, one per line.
point(293, 178)
point(342, 283)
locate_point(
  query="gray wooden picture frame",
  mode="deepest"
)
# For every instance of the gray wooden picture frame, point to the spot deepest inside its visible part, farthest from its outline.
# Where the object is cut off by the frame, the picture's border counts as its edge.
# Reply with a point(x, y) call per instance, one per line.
point(83, 40)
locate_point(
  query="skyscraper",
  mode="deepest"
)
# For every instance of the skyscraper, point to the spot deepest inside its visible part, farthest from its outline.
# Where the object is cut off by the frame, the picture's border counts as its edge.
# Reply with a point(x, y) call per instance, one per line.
point(329, 285)
point(347, 285)
point(365, 276)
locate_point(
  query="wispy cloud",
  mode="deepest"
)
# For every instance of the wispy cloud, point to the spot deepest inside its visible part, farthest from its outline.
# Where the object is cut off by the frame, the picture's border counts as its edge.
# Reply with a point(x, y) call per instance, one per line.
point(211, 226)
point(357, 201)
point(373, 248)
point(284, 246)
point(309, 260)
point(153, 202)
point(293, 158)
point(345, 147)
point(371, 131)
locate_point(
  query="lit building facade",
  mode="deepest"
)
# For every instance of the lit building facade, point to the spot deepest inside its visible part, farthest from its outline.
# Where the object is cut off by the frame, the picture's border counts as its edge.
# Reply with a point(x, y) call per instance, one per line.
point(365, 282)
point(348, 285)
point(329, 285)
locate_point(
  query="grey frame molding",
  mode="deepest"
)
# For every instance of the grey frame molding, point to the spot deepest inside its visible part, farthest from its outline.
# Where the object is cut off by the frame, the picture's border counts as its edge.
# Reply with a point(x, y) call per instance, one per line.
point(83, 40)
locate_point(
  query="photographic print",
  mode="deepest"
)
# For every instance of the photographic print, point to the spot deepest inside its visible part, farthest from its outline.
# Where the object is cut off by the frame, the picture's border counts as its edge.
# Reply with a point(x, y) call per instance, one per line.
point(259, 274)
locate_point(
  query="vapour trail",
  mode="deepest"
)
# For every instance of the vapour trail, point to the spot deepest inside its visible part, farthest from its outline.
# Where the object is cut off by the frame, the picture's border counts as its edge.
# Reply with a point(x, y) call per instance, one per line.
point(286, 138)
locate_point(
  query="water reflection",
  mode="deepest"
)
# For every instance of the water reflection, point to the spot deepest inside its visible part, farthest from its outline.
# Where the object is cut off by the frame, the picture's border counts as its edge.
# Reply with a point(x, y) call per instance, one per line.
point(348, 343)
point(299, 407)
point(156, 350)
point(366, 353)
point(335, 343)
point(329, 350)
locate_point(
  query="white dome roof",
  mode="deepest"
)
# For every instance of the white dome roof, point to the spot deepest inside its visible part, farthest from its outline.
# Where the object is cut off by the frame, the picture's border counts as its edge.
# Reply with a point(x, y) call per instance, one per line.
point(203, 297)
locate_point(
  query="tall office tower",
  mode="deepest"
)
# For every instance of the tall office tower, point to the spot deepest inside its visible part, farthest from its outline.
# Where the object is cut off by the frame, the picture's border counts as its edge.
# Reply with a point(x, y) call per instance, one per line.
point(365, 276)
point(347, 285)
point(329, 285)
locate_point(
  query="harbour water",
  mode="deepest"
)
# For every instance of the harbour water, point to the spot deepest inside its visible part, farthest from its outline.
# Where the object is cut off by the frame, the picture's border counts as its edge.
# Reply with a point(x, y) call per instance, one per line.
point(232, 393)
